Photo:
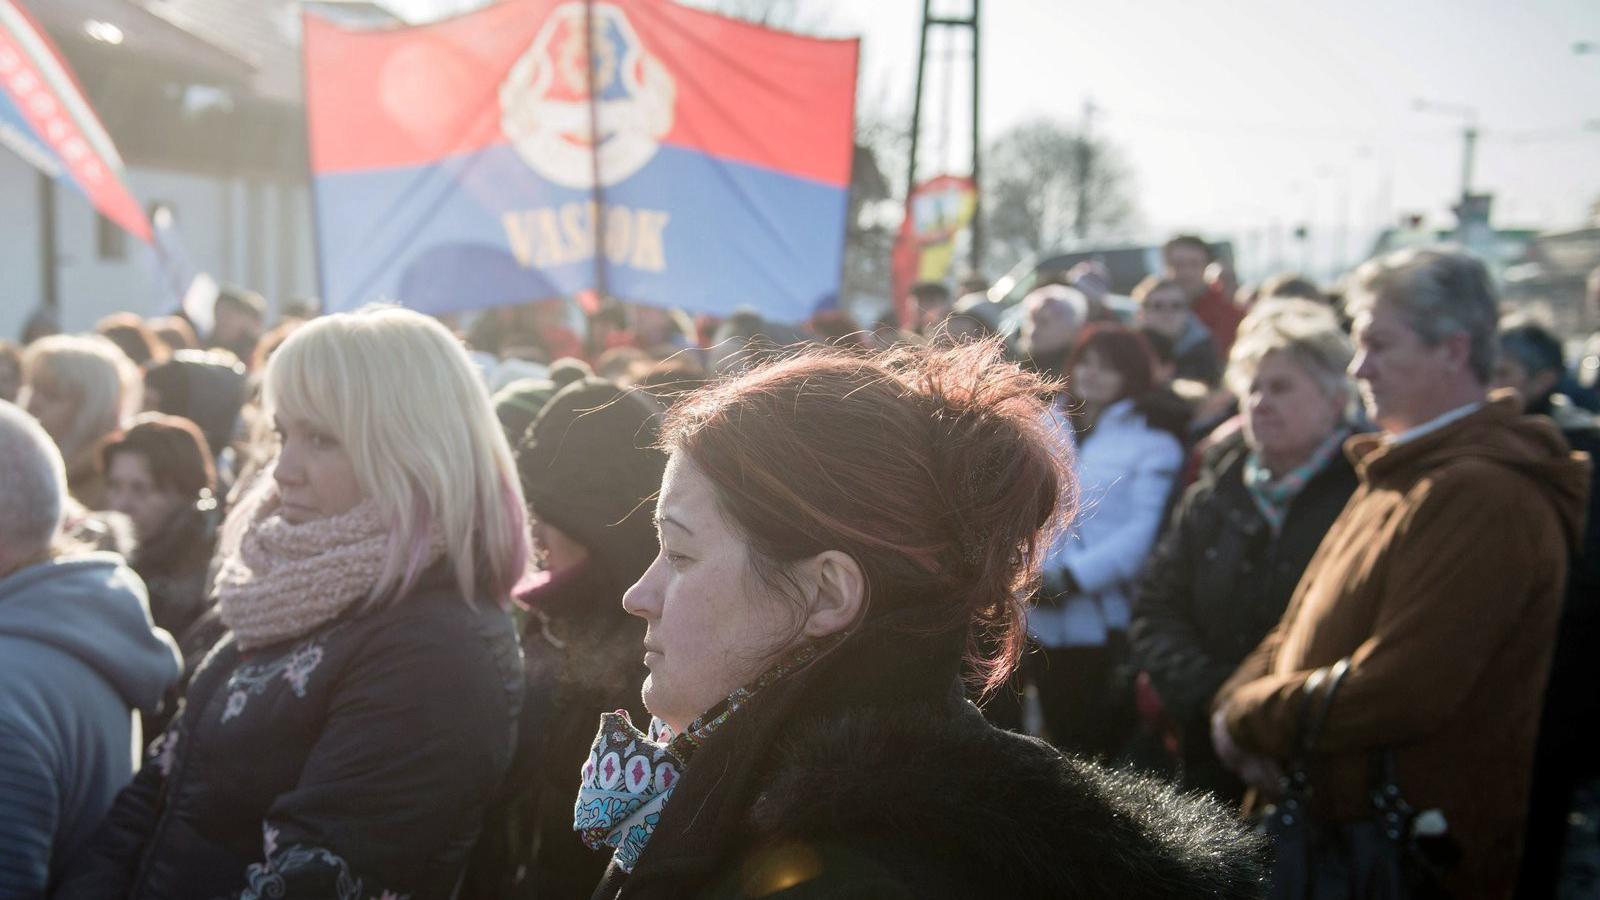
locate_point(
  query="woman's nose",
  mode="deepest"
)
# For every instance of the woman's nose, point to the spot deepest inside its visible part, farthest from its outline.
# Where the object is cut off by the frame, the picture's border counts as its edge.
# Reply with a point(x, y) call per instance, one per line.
point(644, 598)
point(287, 470)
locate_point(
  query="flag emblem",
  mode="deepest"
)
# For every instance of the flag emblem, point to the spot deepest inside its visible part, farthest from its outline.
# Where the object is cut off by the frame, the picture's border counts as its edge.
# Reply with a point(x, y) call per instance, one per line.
point(545, 98)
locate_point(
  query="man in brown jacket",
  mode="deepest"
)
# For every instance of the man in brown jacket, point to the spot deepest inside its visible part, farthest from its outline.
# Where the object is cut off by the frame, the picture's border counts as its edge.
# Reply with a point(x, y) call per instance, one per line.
point(1441, 581)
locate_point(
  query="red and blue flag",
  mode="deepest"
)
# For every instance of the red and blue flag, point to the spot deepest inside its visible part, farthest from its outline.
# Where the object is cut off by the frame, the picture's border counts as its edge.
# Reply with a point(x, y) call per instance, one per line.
point(45, 119)
point(455, 164)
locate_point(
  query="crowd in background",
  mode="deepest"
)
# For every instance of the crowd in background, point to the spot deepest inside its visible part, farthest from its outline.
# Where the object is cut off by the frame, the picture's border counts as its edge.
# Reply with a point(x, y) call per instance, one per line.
point(1355, 507)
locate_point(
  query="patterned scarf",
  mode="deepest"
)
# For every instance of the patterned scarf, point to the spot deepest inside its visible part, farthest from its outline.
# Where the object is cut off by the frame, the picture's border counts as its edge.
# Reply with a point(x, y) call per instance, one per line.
point(1273, 497)
point(285, 580)
point(629, 776)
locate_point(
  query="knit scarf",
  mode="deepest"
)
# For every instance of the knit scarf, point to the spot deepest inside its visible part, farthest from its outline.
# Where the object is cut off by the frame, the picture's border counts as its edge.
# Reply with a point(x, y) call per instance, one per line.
point(629, 775)
point(1273, 496)
point(285, 579)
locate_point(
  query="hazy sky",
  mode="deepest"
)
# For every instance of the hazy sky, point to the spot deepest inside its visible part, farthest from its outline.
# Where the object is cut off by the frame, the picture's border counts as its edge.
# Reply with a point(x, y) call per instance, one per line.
point(1238, 116)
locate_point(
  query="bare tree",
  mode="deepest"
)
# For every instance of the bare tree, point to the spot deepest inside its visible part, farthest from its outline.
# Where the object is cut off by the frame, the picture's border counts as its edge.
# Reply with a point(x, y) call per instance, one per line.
point(875, 207)
point(1045, 185)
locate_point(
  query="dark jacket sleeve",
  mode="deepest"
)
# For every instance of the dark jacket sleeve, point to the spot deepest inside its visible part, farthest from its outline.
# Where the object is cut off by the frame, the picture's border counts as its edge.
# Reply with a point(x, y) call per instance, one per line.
point(107, 866)
point(1201, 363)
point(418, 736)
point(1166, 642)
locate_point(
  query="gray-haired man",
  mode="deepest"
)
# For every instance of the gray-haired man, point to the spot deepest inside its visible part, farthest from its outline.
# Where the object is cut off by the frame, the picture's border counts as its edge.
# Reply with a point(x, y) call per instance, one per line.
point(78, 657)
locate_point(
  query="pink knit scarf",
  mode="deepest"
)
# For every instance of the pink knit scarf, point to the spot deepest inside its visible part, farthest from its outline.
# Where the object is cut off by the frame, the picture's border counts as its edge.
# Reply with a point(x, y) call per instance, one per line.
point(285, 580)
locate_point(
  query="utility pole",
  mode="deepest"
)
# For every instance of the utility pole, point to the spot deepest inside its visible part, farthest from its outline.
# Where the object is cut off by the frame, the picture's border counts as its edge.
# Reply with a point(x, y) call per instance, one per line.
point(1469, 138)
point(977, 150)
point(1080, 224)
point(970, 23)
point(916, 102)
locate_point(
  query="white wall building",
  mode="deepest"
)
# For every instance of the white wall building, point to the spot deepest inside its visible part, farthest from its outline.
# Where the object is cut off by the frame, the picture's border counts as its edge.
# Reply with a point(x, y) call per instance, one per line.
point(255, 232)
point(203, 99)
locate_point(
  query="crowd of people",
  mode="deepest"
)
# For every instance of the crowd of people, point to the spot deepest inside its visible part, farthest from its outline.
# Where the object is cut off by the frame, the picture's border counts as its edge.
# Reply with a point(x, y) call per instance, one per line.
point(1211, 590)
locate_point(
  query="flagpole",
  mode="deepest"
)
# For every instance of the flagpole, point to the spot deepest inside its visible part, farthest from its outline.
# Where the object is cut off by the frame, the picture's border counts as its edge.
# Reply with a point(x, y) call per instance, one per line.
point(599, 217)
point(48, 261)
point(323, 294)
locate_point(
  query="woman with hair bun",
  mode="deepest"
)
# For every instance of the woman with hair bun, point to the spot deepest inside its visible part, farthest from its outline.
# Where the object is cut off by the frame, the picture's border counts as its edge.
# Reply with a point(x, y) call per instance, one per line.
point(344, 737)
point(838, 534)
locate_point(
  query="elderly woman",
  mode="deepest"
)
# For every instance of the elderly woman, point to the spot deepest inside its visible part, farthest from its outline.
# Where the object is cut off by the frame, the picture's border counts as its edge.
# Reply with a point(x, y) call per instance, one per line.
point(344, 737)
point(79, 388)
point(836, 531)
point(1223, 573)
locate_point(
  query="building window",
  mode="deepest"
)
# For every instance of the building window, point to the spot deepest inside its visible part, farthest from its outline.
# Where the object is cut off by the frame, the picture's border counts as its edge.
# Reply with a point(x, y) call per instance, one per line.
point(111, 242)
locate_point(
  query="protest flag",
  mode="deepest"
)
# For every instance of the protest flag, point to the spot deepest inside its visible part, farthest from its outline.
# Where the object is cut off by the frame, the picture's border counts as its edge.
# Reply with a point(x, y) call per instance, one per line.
point(45, 119)
point(455, 164)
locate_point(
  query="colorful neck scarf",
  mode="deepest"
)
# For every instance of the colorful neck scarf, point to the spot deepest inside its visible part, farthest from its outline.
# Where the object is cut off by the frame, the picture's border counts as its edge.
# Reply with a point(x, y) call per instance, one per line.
point(1273, 496)
point(629, 775)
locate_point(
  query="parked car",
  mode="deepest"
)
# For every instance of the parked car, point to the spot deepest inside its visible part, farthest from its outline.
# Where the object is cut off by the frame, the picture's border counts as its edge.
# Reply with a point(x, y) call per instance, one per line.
point(1127, 265)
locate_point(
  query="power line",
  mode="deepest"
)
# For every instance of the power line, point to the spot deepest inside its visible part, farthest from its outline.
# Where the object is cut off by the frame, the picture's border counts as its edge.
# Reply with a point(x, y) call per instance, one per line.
point(1367, 135)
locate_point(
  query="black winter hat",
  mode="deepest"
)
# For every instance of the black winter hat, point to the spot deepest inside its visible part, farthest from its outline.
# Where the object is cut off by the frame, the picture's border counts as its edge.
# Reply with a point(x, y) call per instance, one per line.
point(589, 467)
point(519, 403)
point(205, 387)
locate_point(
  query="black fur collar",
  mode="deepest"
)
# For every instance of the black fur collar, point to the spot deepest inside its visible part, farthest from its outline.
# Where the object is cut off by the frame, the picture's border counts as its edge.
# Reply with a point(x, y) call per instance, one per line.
point(985, 806)
point(873, 752)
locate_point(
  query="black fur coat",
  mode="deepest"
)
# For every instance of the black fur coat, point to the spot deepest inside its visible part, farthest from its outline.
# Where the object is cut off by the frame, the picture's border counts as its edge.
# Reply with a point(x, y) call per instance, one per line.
point(868, 775)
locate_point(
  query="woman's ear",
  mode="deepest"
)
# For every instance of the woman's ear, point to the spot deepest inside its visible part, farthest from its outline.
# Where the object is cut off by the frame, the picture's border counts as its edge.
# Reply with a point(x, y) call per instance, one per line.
point(839, 590)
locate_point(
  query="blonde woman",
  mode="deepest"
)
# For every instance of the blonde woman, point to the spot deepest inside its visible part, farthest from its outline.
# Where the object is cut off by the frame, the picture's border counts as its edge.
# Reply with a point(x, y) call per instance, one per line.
point(80, 388)
point(1241, 536)
point(343, 738)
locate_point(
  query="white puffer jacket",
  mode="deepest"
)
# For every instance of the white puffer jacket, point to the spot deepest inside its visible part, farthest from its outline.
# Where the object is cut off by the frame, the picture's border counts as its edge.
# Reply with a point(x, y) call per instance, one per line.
point(1125, 472)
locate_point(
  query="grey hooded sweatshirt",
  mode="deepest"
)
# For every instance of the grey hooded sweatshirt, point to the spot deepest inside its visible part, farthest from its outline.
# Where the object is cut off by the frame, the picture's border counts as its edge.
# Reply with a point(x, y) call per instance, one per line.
point(78, 657)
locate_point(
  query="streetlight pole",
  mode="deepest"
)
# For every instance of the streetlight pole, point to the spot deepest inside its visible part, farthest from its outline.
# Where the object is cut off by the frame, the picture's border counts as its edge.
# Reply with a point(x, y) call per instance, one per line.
point(1338, 255)
point(1469, 136)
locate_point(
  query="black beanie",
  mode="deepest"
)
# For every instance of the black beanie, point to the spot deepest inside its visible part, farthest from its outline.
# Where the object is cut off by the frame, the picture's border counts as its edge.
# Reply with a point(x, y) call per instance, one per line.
point(589, 468)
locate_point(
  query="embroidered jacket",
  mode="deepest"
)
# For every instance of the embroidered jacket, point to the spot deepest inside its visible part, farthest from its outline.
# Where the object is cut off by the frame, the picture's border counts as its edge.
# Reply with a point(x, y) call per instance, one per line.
point(352, 763)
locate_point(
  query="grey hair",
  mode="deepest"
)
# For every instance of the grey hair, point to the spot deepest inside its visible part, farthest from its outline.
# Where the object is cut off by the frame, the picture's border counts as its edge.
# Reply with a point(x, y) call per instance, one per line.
point(1304, 331)
point(33, 486)
point(1071, 297)
point(1440, 292)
